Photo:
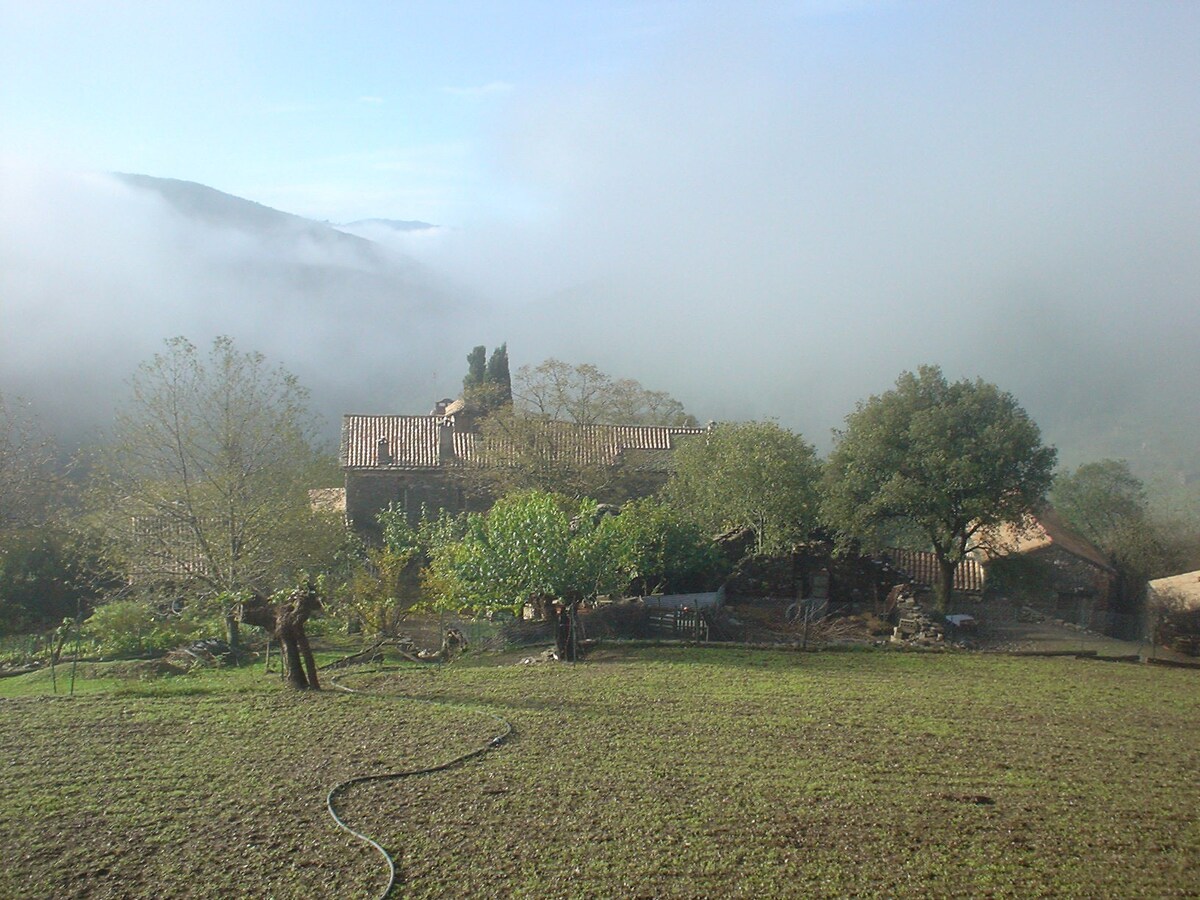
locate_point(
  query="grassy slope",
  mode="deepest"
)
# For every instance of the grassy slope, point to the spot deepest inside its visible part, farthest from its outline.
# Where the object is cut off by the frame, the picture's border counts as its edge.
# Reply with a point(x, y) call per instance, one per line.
point(649, 773)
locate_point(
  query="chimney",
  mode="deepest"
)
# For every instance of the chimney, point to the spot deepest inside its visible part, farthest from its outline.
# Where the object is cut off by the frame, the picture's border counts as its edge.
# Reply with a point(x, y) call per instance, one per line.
point(383, 456)
point(446, 439)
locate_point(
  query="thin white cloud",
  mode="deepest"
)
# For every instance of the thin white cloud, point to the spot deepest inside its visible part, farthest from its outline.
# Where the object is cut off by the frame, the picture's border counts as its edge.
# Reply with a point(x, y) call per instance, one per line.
point(371, 101)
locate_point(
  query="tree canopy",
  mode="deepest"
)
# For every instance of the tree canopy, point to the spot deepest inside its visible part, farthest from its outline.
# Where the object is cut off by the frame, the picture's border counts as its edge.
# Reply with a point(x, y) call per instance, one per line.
point(1100, 499)
point(751, 474)
point(531, 544)
point(211, 462)
point(487, 385)
point(952, 459)
point(585, 395)
point(536, 545)
point(1106, 503)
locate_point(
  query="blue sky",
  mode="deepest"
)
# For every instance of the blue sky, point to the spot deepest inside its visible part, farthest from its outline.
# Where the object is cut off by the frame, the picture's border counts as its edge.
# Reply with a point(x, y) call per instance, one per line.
point(328, 109)
point(395, 109)
point(818, 194)
point(408, 110)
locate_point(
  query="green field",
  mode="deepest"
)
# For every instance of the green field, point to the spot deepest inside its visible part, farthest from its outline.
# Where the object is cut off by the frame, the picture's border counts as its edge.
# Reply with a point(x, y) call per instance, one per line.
point(640, 773)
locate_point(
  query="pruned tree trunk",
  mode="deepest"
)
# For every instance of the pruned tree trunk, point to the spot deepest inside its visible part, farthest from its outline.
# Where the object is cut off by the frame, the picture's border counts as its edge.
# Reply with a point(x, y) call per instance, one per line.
point(285, 622)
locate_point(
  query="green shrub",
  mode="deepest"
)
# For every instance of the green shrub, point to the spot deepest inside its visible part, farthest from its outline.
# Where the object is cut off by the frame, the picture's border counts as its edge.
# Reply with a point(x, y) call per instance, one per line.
point(135, 628)
point(47, 574)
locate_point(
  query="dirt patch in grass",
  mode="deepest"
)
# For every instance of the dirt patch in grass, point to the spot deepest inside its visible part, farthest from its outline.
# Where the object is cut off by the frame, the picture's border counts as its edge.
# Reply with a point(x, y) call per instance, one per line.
point(651, 773)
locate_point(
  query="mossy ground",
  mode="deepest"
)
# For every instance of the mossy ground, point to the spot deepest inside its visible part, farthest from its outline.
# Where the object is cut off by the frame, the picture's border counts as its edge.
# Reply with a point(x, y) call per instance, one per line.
point(651, 772)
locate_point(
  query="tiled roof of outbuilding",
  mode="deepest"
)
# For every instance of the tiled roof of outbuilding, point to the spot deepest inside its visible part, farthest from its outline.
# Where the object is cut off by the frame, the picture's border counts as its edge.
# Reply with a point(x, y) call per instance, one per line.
point(1185, 588)
point(922, 566)
point(1045, 529)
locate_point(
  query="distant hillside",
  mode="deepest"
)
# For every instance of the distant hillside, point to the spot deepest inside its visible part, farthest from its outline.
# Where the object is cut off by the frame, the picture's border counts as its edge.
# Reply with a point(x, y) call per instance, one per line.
point(394, 224)
point(103, 269)
point(202, 204)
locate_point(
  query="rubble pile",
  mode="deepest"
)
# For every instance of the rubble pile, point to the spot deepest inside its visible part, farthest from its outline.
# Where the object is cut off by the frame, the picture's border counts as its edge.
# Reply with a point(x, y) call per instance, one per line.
point(913, 624)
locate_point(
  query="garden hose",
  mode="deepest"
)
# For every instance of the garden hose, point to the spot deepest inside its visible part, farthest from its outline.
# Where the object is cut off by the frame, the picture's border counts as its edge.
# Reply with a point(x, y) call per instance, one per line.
point(342, 786)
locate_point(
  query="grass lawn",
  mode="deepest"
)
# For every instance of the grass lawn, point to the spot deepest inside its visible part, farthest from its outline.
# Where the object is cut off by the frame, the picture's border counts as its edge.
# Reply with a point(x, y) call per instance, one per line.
point(641, 773)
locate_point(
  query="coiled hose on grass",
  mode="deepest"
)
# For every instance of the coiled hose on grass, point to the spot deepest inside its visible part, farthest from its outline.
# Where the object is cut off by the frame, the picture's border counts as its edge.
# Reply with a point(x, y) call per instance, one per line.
point(342, 786)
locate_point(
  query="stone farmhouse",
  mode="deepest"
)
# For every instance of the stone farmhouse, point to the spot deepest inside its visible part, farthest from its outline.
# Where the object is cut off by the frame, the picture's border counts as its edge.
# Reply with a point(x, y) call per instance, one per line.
point(424, 462)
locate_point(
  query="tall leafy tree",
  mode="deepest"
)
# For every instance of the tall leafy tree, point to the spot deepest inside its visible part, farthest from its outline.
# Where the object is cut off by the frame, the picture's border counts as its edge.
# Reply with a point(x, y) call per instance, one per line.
point(749, 474)
point(50, 573)
point(658, 548)
point(487, 385)
point(499, 377)
point(1106, 503)
point(950, 459)
point(1101, 500)
point(476, 368)
point(207, 476)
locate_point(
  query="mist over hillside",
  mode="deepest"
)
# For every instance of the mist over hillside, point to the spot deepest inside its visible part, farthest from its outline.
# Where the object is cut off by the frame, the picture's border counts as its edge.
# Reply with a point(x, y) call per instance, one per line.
point(96, 271)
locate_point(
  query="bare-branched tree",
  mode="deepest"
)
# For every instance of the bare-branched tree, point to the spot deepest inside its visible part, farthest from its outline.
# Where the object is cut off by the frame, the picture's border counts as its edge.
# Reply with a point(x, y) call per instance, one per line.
point(27, 475)
point(207, 477)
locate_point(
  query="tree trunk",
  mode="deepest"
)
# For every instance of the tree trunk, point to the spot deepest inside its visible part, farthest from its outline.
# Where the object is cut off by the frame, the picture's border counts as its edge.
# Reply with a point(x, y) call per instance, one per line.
point(292, 670)
point(944, 589)
point(309, 663)
point(231, 628)
point(543, 606)
point(285, 621)
point(565, 645)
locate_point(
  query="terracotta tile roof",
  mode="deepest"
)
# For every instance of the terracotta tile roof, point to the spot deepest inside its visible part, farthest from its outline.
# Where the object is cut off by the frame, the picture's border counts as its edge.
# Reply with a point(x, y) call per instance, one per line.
point(1045, 529)
point(922, 567)
point(1185, 587)
point(165, 548)
point(647, 446)
point(412, 442)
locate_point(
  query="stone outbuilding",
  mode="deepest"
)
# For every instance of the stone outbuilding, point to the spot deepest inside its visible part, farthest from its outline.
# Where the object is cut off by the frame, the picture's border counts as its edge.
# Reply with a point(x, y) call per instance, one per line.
point(1044, 563)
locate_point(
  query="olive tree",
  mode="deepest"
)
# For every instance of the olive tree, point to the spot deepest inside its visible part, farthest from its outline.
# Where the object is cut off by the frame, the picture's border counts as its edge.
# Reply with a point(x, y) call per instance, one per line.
point(951, 459)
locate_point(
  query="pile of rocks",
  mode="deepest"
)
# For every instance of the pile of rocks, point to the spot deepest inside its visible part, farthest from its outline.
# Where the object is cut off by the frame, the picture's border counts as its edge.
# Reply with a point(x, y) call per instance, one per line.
point(915, 626)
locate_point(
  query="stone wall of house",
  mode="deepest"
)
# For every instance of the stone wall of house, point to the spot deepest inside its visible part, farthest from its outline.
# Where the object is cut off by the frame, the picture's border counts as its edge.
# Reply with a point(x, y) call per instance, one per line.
point(369, 493)
point(1058, 584)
